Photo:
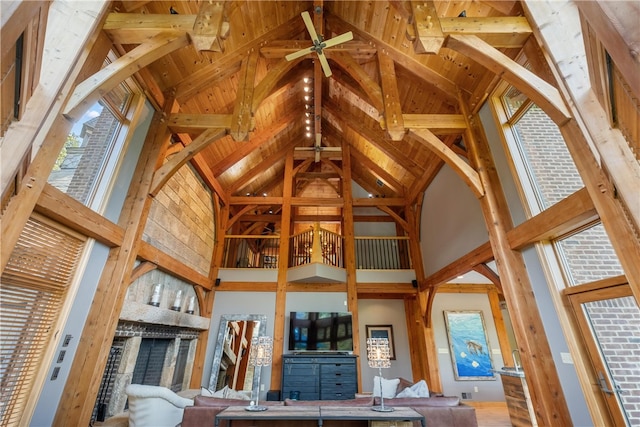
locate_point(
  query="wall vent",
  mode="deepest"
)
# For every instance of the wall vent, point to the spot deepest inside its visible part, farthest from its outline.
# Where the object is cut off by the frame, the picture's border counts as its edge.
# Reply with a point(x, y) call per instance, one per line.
point(466, 395)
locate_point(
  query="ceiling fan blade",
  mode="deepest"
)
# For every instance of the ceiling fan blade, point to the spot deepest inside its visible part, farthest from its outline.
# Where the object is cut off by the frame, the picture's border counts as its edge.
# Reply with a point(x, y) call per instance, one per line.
point(318, 139)
point(325, 64)
point(309, 23)
point(317, 156)
point(298, 54)
point(331, 148)
point(339, 39)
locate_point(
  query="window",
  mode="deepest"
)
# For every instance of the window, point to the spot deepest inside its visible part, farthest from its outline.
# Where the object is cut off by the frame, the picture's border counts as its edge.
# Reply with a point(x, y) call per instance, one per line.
point(543, 163)
point(587, 256)
point(34, 286)
point(91, 150)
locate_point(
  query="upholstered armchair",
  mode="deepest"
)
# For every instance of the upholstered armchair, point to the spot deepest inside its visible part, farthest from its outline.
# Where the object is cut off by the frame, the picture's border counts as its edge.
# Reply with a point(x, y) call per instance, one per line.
point(155, 406)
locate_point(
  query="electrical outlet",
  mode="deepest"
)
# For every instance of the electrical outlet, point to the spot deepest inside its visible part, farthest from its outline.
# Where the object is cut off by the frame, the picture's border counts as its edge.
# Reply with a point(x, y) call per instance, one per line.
point(475, 389)
point(261, 387)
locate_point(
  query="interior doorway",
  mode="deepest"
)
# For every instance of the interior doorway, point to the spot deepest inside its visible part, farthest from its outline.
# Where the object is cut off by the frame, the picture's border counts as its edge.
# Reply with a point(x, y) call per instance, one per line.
point(608, 319)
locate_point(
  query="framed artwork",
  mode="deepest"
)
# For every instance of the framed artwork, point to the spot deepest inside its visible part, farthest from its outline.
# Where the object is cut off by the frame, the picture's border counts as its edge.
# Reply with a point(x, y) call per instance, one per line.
point(469, 346)
point(383, 331)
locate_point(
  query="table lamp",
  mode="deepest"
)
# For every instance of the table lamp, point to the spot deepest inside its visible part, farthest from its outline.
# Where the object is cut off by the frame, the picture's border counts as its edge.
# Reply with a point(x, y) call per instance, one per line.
point(379, 357)
point(260, 355)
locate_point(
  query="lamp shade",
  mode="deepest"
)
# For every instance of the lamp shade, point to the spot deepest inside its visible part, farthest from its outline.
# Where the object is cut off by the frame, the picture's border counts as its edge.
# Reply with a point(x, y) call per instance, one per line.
point(261, 351)
point(378, 353)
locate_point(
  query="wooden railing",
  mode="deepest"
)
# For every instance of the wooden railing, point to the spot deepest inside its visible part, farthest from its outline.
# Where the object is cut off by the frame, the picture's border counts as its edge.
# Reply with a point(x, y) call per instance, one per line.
point(316, 245)
point(251, 252)
point(382, 253)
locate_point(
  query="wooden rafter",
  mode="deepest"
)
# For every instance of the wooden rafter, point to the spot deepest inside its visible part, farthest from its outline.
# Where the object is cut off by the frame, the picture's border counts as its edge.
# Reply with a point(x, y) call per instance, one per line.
point(242, 112)
point(98, 85)
point(167, 170)
point(466, 172)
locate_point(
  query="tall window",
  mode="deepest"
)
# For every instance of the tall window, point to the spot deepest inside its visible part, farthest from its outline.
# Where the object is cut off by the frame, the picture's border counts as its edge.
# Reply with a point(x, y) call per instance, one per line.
point(543, 163)
point(91, 150)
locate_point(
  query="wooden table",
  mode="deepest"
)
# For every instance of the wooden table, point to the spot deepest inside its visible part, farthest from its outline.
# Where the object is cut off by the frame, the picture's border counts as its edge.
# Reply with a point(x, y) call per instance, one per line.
point(280, 413)
point(319, 414)
point(367, 414)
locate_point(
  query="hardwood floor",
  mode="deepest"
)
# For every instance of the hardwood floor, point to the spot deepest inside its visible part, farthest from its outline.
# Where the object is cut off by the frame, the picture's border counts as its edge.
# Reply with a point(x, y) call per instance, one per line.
point(491, 414)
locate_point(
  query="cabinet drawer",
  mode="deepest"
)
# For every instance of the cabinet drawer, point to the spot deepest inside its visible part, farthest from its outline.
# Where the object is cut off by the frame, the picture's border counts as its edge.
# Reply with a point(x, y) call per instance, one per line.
point(336, 367)
point(302, 370)
point(341, 394)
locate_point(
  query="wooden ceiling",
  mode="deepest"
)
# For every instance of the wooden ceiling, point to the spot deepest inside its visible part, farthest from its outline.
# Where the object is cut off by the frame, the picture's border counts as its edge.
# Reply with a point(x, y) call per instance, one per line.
point(254, 99)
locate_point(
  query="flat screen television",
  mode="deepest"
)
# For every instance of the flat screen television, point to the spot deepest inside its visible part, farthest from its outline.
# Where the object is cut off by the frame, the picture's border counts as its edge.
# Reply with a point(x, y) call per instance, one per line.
point(320, 331)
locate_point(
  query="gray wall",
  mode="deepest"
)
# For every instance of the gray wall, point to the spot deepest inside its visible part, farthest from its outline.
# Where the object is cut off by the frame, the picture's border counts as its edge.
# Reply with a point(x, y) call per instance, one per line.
point(384, 312)
point(240, 303)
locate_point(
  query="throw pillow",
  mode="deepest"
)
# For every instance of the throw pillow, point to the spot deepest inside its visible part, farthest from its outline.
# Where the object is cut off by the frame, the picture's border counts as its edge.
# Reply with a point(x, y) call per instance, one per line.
point(389, 387)
point(206, 392)
point(419, 389)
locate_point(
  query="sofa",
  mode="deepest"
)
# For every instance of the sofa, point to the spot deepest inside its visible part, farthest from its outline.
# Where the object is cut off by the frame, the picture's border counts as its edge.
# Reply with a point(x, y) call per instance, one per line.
point(441, 411)
point(155, 406)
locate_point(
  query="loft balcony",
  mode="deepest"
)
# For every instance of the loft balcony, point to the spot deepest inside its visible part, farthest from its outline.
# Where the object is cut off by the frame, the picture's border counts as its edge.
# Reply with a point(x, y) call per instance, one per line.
point(316, 256)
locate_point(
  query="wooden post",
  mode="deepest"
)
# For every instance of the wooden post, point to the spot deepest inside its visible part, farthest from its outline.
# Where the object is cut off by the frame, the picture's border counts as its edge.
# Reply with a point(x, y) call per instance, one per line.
point(283, 265)
point(546, 392)
point(81, 389)
point(350, 251)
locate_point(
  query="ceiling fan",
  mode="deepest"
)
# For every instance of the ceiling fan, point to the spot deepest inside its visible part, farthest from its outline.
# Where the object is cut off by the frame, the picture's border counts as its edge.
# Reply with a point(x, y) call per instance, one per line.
point(318, 148)
point(319, 44)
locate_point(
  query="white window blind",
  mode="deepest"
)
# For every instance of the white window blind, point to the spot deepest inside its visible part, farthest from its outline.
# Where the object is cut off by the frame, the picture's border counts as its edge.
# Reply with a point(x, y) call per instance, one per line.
point(32, 291)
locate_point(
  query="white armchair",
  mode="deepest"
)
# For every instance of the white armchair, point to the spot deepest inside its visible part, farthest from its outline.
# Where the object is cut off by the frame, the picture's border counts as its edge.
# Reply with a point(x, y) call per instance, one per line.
point(152, 406)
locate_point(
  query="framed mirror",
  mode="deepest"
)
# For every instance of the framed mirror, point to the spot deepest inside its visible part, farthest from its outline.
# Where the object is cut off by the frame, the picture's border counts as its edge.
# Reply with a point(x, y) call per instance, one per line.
point(230, 366)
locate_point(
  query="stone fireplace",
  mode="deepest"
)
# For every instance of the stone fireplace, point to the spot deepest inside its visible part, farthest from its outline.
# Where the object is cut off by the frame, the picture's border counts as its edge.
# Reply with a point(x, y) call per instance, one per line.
point(153, 345)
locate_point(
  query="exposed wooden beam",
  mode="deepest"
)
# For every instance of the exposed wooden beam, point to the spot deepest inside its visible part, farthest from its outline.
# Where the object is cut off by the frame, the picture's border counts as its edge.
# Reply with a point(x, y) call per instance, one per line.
point(375, 137)
point(440, 124)
point(539, 91)
point(69, 212)
point(167, 170)
point(209, 27)
point(242, 111)
point(195, 123)
point(509, 32)
point(429, 35)
point(355, 70)
point(256, 170)
point(466, 172)
point(269, 82)
point(137, 28)
point(169, 264)
point(445, 86)
point(398, 219)
point(259, 137)
point(98, 85)
point(392, 107)
point(207, 74)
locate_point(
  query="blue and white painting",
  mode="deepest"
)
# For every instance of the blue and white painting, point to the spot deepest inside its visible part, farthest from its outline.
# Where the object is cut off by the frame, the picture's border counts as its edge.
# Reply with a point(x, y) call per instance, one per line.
point(468, 344)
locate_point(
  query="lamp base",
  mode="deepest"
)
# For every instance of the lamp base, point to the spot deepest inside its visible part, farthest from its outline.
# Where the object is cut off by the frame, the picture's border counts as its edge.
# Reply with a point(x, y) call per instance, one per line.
point(381, 409)
point(255, 408)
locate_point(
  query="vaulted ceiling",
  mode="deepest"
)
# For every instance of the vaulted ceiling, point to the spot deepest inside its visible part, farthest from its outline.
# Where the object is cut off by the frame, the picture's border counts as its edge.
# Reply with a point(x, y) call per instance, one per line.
point(243, 105)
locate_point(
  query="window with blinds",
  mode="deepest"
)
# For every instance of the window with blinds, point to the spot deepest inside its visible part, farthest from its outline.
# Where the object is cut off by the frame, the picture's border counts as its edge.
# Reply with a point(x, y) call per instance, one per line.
point(33, 287)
